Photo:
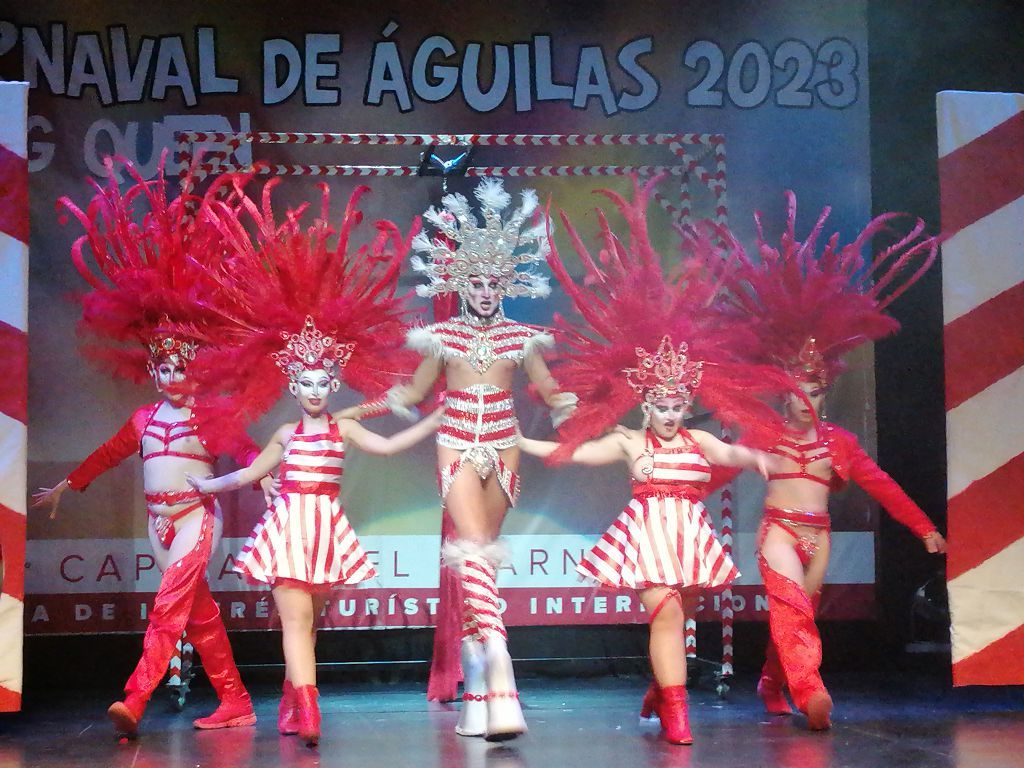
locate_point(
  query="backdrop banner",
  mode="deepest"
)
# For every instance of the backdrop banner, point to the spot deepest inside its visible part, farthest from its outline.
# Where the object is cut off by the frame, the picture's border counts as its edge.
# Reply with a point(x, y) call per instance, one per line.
point(757, 97)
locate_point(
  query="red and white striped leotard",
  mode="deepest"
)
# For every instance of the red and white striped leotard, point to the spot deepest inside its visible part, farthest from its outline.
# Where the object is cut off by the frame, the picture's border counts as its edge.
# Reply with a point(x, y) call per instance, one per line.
point(305, 536)
point(479, 420)
point(663, 536)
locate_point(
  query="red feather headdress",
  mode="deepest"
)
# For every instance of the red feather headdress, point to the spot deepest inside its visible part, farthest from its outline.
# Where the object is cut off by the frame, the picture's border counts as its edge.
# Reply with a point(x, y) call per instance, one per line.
point(809, 310)
point(143, 272)
point(285, 289)
point(634, 317)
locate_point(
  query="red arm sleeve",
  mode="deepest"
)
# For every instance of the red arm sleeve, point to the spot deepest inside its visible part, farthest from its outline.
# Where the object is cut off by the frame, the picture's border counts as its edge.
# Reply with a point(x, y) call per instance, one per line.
point(107, 456)
point(883, 489)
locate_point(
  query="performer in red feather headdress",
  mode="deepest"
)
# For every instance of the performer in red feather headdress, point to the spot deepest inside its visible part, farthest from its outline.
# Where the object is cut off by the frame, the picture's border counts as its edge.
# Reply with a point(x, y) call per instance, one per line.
point(142, 319)
point(809, 310)
point(657, 341)
point(302, 301)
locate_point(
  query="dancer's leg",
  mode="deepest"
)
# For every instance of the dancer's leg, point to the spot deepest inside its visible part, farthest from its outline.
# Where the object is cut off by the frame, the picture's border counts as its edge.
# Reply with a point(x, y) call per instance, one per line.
point(297, 609)
point(187, 559)
point(477, 508)
point(791, 620)
point(667, 650)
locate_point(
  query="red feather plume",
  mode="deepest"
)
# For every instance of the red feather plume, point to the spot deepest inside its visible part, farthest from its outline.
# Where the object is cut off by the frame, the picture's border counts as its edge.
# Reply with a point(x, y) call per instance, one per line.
point(791, 294)
point(138, 255)
point(626, 300)
point(276, 271)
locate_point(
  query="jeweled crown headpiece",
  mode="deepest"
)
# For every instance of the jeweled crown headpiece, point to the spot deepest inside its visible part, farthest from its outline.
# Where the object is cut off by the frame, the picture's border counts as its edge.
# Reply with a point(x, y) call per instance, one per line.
point(493, 250)
point(309, 350)
point(164, 344)
point(810, 364)
point(665, 373)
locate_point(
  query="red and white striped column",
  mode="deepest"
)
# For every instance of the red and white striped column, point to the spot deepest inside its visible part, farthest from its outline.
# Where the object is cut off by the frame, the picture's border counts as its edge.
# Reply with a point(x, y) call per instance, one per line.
point(981, 173)
point(13, 383)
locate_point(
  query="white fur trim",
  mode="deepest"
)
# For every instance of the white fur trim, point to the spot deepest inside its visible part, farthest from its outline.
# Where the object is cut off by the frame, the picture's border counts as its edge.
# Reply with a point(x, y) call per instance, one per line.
point(425, 341)
point(455, 552)
point(565, 404)
point(393, 398)
point(541, 339)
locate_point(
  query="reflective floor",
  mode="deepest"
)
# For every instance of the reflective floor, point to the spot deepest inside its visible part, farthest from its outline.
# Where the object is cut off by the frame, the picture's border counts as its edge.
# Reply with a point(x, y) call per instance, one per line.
point(590, 722)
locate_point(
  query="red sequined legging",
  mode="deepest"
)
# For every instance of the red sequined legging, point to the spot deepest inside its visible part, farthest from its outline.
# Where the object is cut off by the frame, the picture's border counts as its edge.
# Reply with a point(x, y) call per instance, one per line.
point(184, 602)
point(794, 648)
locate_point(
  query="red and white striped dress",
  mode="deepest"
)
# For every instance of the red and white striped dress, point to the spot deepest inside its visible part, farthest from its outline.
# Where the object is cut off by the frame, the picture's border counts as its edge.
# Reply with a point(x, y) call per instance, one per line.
point(663, 537)
point(305, 537)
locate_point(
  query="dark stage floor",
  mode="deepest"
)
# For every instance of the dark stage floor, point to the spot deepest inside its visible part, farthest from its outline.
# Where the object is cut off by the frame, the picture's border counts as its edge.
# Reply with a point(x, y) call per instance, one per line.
point(590, 722)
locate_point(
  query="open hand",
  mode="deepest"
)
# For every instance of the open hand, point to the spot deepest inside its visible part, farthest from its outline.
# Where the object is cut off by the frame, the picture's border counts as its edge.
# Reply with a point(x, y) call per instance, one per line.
point(50, 496)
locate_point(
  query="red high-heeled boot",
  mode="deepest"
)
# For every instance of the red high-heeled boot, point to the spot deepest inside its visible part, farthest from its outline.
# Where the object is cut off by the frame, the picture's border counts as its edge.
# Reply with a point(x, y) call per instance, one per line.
point(309, 714)
point(672, 709)
point(650, 704)
point(288, 711)
point(773, 680)
point(125, 715)
point(206, 631)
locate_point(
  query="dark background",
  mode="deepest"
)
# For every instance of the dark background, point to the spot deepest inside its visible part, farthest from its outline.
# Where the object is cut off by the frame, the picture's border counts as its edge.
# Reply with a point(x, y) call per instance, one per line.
point(915, 50)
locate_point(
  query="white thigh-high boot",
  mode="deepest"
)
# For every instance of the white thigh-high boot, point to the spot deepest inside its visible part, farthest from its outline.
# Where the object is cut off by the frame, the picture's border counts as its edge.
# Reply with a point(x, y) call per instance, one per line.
point(477, 565)
point(473, 715)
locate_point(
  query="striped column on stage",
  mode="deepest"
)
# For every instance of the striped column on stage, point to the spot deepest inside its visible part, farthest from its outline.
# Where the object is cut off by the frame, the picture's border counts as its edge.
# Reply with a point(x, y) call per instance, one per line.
point(13, 383)
point(981, 173)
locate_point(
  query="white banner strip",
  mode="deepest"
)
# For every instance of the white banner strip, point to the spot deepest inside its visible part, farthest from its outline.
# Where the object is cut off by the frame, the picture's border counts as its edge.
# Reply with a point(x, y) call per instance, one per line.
point(73, 566)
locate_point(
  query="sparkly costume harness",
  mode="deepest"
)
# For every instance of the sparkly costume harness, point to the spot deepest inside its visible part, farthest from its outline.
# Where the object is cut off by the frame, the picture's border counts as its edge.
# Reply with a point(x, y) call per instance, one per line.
point(803, 454)
point(479, 420)
point(167, 433)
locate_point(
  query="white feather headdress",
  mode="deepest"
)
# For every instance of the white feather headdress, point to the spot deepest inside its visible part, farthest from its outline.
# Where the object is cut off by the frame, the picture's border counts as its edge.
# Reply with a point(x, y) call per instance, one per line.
point(462, 248)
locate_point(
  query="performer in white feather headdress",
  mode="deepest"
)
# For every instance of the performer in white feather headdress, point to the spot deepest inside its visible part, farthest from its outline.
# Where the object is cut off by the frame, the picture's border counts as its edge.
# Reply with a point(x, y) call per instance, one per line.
point(477, 351)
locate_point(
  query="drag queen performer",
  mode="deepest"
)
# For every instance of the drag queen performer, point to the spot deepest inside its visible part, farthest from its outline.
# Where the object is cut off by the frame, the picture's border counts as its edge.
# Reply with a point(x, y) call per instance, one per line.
point(142, 283)
point(646, 337)
point(811, 310)
point(478, 459)
point(337, 316)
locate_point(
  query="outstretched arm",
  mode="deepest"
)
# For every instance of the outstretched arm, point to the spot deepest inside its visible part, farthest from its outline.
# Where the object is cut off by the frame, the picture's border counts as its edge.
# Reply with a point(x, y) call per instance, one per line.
point(738, 456)
point(595, 453)
point(379, 445)
point(894, 500)
point(561, 403)
point(401, 398)
point(263, 464)
point(115, 450)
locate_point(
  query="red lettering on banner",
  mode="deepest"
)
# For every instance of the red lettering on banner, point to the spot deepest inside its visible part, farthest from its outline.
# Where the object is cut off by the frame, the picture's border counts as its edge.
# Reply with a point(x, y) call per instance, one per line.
point(569, 563)
point(228, 568)
point(109, 560)
point(148, 559)
point(397, 573)
point(63, 565)
point(535, 563)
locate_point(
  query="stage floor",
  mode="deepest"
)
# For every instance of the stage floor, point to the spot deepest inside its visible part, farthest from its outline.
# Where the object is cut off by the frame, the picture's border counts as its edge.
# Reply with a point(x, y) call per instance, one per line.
point(586, 723)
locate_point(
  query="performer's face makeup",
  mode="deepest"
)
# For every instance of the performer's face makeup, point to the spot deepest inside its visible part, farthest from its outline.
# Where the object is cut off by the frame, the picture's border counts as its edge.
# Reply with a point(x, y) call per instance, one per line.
point(169, 376)
point(667, 414)
point(483, 295)
point(796, 409)
point(312, 389)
